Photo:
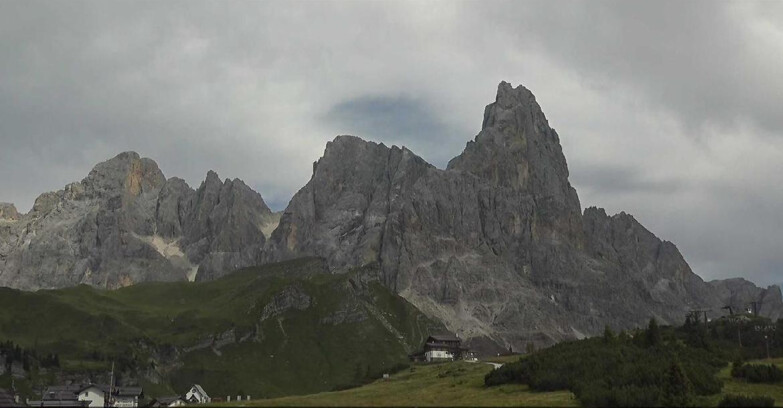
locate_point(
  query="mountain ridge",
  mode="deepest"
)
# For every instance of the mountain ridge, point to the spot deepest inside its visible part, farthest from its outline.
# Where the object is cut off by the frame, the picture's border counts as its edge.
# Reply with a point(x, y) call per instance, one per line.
point(501, 223)
point(496, 245)
point(126, 223)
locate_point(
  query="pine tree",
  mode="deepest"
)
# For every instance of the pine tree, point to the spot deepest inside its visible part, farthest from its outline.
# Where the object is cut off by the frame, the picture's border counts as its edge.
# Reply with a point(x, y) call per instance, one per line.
point(608, 334)
point(676, 387)
point(653, 333)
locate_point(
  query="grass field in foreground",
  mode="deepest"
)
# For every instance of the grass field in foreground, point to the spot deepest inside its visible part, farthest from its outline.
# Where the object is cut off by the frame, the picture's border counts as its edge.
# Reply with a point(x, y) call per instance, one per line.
point(735, 386)
point(446, 384)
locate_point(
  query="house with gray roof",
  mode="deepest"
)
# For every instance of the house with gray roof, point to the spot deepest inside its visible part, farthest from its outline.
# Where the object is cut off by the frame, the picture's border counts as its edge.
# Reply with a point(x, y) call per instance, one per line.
point(442, 347)
point(8, 399)
point(197, 395)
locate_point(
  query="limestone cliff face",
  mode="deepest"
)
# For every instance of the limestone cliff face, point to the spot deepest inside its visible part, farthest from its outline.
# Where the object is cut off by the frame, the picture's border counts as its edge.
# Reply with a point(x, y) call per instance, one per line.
point(496, 245)
point(125, 223)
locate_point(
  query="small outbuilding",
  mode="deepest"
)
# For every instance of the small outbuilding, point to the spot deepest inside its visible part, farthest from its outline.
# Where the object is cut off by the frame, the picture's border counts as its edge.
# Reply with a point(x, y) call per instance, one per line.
point(197, 395)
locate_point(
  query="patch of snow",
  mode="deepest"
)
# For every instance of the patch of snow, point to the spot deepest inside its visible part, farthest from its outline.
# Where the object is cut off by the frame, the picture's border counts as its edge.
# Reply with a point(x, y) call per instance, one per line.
point(579, 335)
point(271, 224)
point(192, 273)
point(171, 250)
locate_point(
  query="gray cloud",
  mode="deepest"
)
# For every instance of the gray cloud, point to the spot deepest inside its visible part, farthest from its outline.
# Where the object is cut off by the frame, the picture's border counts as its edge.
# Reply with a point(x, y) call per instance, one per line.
point(666, 110)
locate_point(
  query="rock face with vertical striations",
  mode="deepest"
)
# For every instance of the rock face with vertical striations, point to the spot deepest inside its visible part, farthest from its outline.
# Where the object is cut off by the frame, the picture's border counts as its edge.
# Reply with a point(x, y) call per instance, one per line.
point(496, 245)
point(125, 223)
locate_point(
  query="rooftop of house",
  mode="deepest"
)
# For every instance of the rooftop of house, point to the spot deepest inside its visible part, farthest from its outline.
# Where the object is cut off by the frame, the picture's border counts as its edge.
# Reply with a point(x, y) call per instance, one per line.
point(57, 403)
point(6, 399)
point(199, 390)
point(444, 337)
point(168, 400)
point(128, 391)
point(70, 392)
point(60, 395)
point(446, 346)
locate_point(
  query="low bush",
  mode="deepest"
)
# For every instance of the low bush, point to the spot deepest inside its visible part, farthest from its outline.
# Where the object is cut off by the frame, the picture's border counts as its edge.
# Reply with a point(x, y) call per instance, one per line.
point(746, 401)
point(758, 373)
point(621, 372)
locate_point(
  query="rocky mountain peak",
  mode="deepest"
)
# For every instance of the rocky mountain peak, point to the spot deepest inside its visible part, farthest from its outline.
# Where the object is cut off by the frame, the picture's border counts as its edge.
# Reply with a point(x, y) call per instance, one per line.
point(126, 174)
point(8, 212)
point(212, 177)
point(125, 223)
point(516, 149)
point(509, 98)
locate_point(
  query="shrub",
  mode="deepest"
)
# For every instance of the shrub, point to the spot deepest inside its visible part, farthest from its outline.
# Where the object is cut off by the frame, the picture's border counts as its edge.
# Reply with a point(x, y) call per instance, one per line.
point(619, 373)
point(746, 401)
point(676, 387)
point(758, 373)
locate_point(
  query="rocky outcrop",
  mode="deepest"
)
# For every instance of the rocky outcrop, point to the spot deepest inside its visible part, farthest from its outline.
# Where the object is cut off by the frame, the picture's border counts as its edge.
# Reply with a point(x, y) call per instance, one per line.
point(496, 245)
point(291, 297)
point(8, 212)
point(125, 223)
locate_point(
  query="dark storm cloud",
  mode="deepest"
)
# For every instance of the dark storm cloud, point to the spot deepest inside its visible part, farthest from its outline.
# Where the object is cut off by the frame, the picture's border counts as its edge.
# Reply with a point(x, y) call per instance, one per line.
point(397, 120)
point(668, 110)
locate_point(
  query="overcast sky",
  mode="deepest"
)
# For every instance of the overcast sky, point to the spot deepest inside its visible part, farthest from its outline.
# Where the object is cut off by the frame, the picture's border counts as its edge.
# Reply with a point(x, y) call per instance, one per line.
point(670, 111)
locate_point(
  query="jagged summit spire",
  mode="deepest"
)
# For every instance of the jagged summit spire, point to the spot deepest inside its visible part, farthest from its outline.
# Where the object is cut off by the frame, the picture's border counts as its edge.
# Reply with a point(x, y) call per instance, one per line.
point(513, 103)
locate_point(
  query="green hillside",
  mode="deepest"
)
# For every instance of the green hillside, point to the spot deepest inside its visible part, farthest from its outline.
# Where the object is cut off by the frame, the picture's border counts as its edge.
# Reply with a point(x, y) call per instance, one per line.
point(462, 384)
point(447, 384)
point(280, 329)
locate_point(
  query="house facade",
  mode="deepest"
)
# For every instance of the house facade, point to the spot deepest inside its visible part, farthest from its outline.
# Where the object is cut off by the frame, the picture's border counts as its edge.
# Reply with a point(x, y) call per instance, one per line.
point(90, 395)
point(60, 396)
point(442, 347)
point(95, 395)
point(127, 397)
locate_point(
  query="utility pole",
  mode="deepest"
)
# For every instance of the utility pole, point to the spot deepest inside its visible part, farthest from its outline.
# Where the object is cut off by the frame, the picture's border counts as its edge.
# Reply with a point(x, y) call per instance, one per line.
point(766, 342)
point(107, 401)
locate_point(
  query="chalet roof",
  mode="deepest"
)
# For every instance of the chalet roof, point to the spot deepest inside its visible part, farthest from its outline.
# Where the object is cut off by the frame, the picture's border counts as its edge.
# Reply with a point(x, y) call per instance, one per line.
point(128, 391)
point(67, 392)
point(60, 395)
point(168, 400)
point(444, 337)
point(84, 387)
point(200, 390)
point(61, 404)
point(73, 388)
point(441, 345)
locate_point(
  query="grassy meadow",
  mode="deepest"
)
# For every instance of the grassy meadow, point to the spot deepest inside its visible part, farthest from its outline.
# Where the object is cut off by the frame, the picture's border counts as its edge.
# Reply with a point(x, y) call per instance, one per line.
point(444, 384)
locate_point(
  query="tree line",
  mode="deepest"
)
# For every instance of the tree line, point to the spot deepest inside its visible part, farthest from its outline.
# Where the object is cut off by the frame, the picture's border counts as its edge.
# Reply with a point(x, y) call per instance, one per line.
point(29, 358)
